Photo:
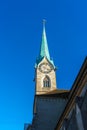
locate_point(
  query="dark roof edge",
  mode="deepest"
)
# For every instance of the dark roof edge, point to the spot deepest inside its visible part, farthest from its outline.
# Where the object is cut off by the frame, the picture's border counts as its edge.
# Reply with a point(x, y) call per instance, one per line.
point(81, 72)
point(63, 95)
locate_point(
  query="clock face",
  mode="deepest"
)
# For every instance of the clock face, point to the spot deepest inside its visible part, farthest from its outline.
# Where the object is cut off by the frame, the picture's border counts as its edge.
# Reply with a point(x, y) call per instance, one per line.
point(45, 67)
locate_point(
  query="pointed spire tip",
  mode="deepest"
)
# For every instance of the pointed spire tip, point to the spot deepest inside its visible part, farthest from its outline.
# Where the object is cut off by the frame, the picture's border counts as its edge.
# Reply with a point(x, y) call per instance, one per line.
point(44, 22)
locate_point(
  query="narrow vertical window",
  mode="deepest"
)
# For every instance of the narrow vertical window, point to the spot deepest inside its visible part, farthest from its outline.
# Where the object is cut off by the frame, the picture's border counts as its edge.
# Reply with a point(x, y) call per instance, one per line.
point(46, 82)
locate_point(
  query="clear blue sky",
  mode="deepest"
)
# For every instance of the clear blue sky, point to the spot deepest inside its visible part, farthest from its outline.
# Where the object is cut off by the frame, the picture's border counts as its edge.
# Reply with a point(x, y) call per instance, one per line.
point(20, 38)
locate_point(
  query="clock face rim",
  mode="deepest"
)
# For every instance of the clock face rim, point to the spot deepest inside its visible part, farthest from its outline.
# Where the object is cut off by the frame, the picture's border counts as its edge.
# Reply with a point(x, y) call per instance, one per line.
point(45, 71)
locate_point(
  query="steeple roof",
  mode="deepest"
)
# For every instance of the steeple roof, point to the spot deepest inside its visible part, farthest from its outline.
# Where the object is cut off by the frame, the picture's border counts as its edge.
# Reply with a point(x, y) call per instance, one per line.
point(44, 51)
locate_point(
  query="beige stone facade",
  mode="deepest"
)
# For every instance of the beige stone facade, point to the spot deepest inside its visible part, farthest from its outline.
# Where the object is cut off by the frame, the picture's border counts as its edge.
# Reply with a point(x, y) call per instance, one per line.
point(40, 89)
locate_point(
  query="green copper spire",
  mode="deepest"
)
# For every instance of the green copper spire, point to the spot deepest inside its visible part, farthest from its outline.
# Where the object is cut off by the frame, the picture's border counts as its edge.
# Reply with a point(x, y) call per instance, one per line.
point(44, 51)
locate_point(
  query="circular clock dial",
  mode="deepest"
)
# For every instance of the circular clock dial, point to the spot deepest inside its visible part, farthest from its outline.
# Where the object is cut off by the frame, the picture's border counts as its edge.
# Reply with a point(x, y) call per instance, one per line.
point(45, 67)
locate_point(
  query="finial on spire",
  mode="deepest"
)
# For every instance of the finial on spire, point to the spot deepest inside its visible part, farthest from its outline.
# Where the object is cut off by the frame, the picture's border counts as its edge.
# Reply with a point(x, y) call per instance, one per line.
point(44, 21)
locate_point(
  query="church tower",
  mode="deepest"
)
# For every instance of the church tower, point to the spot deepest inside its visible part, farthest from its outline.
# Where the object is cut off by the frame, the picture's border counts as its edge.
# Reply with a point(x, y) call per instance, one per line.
point(45, 77)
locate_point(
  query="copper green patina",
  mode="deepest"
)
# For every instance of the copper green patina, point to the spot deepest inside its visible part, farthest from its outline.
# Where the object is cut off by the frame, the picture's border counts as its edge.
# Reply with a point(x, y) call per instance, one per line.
point(44, 51)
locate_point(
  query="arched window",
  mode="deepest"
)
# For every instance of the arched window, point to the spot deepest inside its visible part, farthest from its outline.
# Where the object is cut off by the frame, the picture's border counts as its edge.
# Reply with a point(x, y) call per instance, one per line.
point(46, 82)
